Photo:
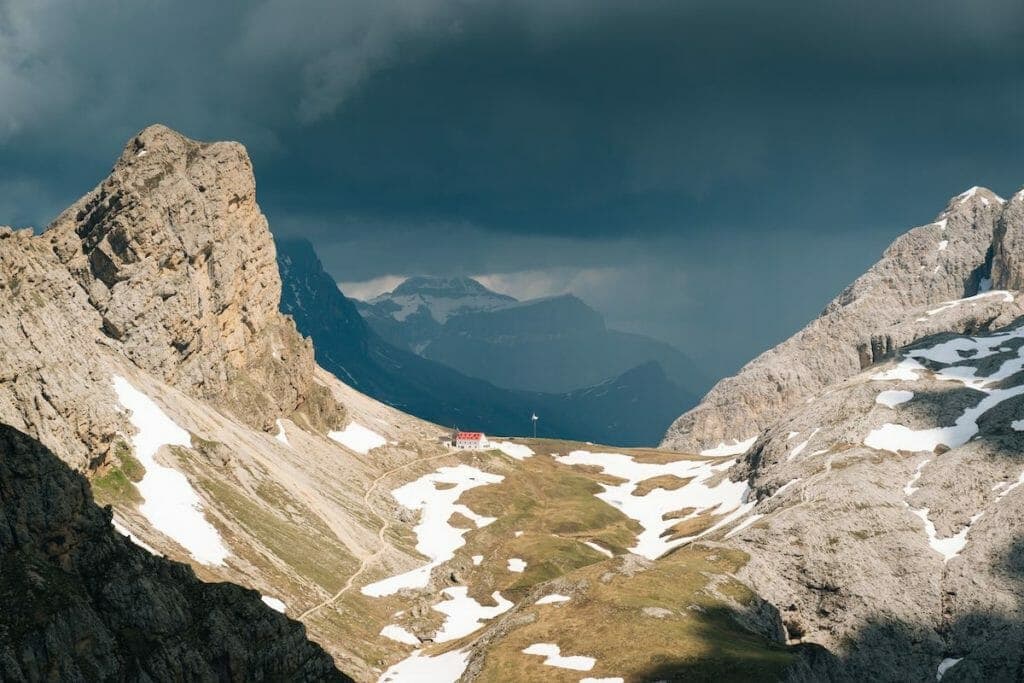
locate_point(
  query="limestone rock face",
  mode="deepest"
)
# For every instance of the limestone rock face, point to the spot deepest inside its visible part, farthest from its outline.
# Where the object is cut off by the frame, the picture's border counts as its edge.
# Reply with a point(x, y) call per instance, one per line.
point(1008, 246)
point(175, 267)
point(51, 354)
point(886, 460)
point(883, 310)
point(81, 602)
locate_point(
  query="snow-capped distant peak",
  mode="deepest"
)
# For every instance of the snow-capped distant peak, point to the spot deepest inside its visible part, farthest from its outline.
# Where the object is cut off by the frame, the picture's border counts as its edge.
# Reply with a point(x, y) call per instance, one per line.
point(441, 297)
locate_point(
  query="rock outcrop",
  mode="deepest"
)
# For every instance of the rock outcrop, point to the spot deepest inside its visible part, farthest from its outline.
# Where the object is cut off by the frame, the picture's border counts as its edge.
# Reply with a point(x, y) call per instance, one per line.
point(82, 603)
point(967, 250)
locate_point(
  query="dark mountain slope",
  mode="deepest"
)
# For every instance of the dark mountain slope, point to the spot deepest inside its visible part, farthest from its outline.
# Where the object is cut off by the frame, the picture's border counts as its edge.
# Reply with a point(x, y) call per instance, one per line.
point(83, 603)
point(346, 346)
point(553, 344)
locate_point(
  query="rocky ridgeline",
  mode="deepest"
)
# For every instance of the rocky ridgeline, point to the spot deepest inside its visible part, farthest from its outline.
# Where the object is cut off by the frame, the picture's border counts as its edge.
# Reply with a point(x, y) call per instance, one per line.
point(974, 244)
point(83, 603)
point(886, 460)
point(168, 263)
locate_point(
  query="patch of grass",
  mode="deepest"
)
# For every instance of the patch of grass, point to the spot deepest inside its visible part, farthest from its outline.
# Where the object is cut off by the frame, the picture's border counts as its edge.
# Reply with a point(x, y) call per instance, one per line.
point(306, 545)
point(114, 487)
point(669, 482)
point(696, 638)
point(131, 467)
point(690, 527)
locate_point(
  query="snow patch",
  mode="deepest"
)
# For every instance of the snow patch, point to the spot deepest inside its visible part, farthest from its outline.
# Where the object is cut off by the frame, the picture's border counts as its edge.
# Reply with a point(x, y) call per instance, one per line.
point(802, 445)
point(734, 448)
point(947, 547)
point(1010, 487)
point(123, 530)
point(906, 371)
point(943, 244)
point(399, 634)
point(1007, 298)
point(743, 525)
point(281, 436)
point(516, 451)
point(435, 537)
point(358, 438)
point(477, 559)
point(418, 668)
point(953, 353)
point(910, 487)
point(946, 664)
point(553, 598)
point(893, 397)
point(170, 503)
point(600, 549)
point(788, 484)
point(464, 615)
point(273, 603)
point(727, 498)
point(1017, 425)
point(516, 564)
point(553, 655)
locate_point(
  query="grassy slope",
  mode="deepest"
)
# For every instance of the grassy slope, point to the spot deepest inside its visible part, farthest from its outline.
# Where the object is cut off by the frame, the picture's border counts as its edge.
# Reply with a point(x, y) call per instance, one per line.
point(555, 509)
point(693, 634)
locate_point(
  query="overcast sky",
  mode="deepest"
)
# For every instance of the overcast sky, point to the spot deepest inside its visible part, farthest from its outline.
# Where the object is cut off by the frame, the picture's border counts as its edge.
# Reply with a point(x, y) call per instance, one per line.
point(710, 172)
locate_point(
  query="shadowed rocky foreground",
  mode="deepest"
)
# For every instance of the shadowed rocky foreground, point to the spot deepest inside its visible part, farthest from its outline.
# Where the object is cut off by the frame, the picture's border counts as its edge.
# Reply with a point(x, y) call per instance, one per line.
point(83, 603)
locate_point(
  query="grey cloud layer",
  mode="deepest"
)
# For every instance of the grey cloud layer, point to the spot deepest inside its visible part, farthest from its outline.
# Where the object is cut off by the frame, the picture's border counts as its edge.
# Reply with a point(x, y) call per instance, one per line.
point(642, 140)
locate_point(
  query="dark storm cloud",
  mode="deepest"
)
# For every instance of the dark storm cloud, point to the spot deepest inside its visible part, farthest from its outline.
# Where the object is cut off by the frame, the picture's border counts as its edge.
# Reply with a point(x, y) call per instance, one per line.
point(709, 171)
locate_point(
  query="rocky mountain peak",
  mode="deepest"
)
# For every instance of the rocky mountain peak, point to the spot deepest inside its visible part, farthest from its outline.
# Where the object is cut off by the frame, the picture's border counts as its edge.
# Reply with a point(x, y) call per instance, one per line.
point(443, 287)
point(174, 254)
point(968, 249)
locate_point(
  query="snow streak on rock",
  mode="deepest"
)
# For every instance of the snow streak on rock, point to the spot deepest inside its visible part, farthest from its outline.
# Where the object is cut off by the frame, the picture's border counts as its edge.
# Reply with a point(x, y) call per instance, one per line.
point(957, 354)
point(273, 603)
point(734, 448)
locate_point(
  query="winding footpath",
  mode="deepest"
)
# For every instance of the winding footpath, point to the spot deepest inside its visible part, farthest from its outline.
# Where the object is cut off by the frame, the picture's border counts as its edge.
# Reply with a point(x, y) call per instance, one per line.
point(385, 525)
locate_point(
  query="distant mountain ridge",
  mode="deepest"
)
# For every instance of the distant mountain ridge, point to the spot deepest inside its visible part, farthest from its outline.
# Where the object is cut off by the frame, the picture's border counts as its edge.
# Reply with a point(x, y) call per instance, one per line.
point(551, 344)
point(633, 408)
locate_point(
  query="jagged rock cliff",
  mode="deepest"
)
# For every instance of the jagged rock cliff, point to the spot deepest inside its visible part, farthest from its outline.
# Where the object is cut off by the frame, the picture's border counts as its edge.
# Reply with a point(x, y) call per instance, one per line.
point(82, 603)
point(175, 256)
point(968, 249)
point(169, 263)
point(885, 457)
